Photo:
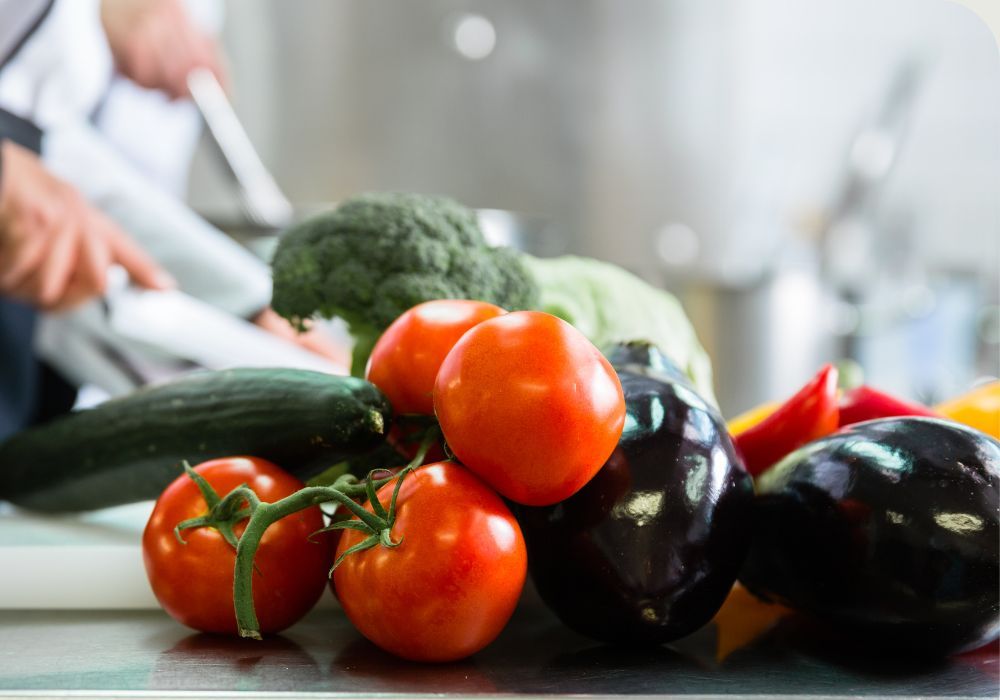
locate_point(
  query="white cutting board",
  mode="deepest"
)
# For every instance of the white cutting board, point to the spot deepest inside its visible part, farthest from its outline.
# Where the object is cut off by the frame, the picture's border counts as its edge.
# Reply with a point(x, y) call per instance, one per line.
point(85, 561)
point(89, 560)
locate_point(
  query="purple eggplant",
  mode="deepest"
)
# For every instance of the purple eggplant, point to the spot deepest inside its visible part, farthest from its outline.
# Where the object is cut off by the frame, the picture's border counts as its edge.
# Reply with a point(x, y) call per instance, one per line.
point(890, 530)
point(647, 551)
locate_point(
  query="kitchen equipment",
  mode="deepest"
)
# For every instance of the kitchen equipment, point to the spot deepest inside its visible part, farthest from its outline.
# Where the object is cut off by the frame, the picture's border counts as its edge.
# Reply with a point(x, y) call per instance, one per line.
point(825, 283)
point(849, 242)
point(533, 234)
point(528, 232)
point(262, 200)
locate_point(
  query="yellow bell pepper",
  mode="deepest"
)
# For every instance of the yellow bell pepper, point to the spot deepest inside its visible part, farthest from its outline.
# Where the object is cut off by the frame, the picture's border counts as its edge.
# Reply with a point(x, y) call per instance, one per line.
point(979, 408)
point(742, 619)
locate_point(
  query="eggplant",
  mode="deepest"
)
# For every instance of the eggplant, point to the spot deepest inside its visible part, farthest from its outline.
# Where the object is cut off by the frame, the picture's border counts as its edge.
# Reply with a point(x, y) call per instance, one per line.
point(643, 357)
point(647, 551)
point(888, 530)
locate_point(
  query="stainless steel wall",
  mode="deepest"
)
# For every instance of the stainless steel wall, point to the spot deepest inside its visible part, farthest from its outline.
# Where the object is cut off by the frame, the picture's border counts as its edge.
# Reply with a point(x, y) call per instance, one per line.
point(696, 143)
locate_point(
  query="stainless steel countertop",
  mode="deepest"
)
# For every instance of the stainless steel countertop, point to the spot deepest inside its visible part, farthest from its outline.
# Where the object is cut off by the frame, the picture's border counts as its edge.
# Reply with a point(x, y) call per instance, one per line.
point(145, 653)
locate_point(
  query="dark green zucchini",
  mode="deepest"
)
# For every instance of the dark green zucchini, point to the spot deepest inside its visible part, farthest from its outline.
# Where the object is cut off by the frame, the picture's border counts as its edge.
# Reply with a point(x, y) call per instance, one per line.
point(130, 448)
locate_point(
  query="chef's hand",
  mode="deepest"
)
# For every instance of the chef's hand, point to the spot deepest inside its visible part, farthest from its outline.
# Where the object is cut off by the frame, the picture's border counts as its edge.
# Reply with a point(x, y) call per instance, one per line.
point(55, 249)
point(156, 44)
point(313, 340)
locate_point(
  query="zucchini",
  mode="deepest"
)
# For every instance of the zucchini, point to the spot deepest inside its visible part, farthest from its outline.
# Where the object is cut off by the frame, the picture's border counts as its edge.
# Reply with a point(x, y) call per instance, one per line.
point(130, 448)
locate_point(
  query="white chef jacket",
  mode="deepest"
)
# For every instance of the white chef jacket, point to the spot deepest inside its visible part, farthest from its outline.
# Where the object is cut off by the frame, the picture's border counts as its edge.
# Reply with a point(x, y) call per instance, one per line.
point(58, 79)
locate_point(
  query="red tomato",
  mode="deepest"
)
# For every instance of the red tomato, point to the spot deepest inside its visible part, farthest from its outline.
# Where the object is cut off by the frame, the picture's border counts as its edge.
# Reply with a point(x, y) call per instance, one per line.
point(194, 581)
point(530, 405)
point(407, 356)
point(452, 583)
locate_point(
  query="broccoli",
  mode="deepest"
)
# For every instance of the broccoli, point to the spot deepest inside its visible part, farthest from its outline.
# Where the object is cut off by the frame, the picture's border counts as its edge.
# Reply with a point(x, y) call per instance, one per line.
point(377, 255)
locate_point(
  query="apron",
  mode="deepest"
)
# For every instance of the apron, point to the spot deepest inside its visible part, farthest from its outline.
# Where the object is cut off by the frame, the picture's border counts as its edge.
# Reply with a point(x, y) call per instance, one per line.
point(18, 367)
point(21, 376)
point(19, 370)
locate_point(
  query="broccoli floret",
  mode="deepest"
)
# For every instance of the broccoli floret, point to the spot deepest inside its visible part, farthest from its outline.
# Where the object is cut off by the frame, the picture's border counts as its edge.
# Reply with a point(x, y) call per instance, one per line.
point(377, 255)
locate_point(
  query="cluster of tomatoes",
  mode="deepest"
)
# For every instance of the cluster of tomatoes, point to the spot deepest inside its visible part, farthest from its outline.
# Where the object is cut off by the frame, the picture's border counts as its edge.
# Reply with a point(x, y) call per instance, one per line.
point(529, 408)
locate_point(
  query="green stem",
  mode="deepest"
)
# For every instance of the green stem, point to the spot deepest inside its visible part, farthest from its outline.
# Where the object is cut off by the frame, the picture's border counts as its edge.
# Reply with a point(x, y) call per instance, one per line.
point(265, 515)
point(343, 492)
point(233, 501)
point(432, 435)
point(364, 343)
point(207, 492)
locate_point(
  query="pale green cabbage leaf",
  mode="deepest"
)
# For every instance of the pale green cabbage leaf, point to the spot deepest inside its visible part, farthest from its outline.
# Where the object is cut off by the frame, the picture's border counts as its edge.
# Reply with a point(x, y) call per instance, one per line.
point(609, 304)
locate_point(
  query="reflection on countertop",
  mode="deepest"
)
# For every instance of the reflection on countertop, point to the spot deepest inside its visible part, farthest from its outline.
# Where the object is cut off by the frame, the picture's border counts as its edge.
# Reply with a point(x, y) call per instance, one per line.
point(145, 652)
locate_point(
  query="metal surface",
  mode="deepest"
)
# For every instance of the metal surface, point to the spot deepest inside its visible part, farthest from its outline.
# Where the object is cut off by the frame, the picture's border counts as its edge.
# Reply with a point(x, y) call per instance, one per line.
point(530, 233)
point(146, 653)
point(262, 200)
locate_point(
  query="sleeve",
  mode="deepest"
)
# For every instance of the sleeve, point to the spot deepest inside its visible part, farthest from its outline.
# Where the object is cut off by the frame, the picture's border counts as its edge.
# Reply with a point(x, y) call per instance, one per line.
point(19, 19)
point(20, 131)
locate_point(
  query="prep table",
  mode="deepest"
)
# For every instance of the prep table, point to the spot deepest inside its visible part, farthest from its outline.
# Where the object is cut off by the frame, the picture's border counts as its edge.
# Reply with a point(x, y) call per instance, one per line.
point(145, 653)
point(61, 576)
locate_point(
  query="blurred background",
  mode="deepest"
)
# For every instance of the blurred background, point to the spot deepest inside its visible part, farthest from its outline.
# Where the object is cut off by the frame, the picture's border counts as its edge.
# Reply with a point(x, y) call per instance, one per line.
point(814, 180)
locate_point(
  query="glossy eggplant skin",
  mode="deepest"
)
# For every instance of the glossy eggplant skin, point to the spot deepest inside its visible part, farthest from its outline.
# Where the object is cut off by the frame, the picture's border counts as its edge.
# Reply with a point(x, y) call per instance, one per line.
point(888, 529)
point(643, 357)
point(647, 551)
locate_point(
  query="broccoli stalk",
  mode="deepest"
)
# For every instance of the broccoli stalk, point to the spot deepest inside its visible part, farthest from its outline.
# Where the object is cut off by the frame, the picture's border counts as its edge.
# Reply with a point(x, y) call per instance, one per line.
point(364, 343)
point(377, 255)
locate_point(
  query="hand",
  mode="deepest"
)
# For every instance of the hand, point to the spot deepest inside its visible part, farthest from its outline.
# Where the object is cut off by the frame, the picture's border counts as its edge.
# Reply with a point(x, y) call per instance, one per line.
point(312, 340)
point(55, 249)
point(155, 44)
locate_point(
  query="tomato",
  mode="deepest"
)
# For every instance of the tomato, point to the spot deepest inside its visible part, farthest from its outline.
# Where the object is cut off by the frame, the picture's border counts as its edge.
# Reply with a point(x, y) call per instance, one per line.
point(407, 356)
point(194, 581)
point(450, 586)
point(530, 405)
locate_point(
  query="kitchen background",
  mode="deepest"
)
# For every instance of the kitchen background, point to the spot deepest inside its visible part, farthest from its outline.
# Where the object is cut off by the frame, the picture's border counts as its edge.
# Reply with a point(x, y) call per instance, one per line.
point(814, 180)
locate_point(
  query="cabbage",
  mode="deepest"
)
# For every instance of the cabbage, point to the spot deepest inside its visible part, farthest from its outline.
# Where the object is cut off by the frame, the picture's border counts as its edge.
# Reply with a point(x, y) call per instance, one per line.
point(609, 304)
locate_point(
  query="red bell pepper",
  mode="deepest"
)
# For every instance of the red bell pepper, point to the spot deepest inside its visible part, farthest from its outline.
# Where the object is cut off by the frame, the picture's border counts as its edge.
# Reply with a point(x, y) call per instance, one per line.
point(864, 403)
point(810, 414)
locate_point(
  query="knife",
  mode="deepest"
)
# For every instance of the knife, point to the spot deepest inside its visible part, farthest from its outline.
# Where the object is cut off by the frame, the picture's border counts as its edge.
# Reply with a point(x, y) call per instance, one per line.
point(173, 324)
point(263, 201)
